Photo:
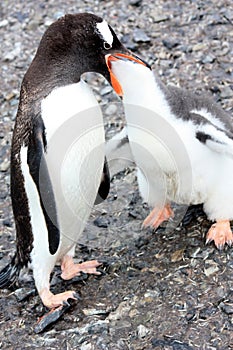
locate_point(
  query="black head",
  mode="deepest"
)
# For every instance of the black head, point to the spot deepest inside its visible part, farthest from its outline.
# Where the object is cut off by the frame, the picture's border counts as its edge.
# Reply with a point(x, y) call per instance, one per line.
point(71, 46)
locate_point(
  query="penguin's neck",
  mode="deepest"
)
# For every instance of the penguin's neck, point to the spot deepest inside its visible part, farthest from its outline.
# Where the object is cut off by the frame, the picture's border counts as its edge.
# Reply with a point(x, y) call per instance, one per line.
point(142, 88)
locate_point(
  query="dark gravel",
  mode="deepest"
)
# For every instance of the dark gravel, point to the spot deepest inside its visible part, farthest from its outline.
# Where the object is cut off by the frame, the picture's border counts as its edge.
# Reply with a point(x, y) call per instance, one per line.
point(163, 290)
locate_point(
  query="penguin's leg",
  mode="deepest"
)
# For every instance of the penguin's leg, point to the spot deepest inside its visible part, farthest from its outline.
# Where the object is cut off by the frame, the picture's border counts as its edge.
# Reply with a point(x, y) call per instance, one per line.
point(70, 269)
point(157, 216)
point(55, 300)
point(42, 265)
point(151, 190)
point(220, 233)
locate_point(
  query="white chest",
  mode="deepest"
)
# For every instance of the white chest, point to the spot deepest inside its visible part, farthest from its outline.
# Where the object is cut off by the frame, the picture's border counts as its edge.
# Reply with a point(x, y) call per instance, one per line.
point(74, 157)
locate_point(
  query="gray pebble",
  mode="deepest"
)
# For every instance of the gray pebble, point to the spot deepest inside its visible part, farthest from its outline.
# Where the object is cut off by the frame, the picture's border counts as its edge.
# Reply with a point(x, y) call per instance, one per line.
point(139, 36)
point(4, 23)
point(106, 90)
point(142, 331)
point(5, 165)
point(135, 2)
point(11, 55)
point(111, 109)
point(226, 92)
point(208, 59)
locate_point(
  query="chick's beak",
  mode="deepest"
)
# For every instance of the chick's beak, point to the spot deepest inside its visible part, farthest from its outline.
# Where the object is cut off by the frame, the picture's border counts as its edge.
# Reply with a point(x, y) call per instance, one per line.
point(124, 57)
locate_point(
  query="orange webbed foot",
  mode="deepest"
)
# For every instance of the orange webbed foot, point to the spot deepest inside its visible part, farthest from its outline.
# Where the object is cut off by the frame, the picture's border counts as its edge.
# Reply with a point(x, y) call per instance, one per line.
point(220, 233)
point(158, 216)
point(71, 270)
point(52, 301)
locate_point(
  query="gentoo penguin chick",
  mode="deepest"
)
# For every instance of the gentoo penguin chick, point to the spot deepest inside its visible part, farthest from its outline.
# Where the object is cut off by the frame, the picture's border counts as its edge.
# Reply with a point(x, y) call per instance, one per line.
point(57, 153)
point(182, 144)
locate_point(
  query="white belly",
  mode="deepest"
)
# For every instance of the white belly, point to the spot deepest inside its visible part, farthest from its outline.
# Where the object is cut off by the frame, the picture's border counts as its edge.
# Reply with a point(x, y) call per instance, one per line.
point(75, 156)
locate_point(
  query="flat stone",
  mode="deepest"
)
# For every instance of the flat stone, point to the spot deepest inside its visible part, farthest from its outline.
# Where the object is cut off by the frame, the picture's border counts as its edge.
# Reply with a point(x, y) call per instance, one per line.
point(208, 59)
point(157, 18)
point(91, 312)
point(101, 222)
point(86, 346)
point(11, 55)
point(169, 44)
point(227, 308)
point(106, 90)
point(139, 36)
point(142, 331)
point(5, 165)
point(198, 47)
point(111, 109)
point(4, 23)
point(226, 92)
point(135, 2)
point(211, 270)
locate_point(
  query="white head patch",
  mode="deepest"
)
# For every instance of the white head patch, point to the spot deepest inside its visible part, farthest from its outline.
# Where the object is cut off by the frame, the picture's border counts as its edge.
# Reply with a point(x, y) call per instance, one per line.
point(105, 32)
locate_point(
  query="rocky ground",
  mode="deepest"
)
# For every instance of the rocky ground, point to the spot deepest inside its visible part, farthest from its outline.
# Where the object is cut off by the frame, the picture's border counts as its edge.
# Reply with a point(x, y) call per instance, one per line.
point(163, 290)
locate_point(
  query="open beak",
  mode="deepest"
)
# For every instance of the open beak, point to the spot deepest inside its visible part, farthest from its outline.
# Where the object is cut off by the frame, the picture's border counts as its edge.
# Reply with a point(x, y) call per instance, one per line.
point(124, 57)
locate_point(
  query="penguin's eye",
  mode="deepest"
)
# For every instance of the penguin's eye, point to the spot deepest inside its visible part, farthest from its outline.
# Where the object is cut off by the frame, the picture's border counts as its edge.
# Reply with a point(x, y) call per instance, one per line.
point(107, 46)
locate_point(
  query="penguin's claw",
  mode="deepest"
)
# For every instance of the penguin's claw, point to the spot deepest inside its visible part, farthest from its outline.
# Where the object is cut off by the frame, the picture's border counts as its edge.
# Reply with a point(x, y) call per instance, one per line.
point(71, 270)
point(220, 233)
point(52, 301)
point(158, 216)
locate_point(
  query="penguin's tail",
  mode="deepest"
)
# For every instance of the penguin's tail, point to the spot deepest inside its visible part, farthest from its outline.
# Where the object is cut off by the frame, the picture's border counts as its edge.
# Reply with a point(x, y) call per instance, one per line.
point(9, 274)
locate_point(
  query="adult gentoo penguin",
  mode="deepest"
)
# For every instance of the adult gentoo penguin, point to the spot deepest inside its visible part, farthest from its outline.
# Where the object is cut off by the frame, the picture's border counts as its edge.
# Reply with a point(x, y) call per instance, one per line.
point(57, 153)
point(182, 144)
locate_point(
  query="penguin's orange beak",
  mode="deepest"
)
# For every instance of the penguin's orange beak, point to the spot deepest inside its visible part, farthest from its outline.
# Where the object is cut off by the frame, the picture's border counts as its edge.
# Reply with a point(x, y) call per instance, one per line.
point(120, 56)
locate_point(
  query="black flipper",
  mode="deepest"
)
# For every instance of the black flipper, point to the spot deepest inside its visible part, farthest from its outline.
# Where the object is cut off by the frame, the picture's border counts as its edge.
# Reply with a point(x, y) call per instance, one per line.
point(39, 172)
point(9, 274)
point(104, 185)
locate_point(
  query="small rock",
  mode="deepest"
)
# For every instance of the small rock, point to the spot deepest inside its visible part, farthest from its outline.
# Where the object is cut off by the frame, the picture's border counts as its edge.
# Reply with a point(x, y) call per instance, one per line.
point(128, 42)
point(177, 255)
point(98, 327)
point(199, 47)
point(158, 342)
point(170, 44)
point(191, 314)
point(122, 310)
point(91, 312)
point(139, 36)
point(157, 18)
point(227, 308)
point(152, 293)
point(106, 90)
point(86, 346)
point(5, 165)
point(48, 22)
point(211, 270)
point(205, 313)
point(135, 2)
point(14, 102)
point(9, 96)
point(111, 109)
point(215, 89)
point(11, 55)
point(226, 92)
point(101, 222)
point(7, 222)
point(133, 214)
point(142, 331)
point(58, 14)
point(4, 23)
point(23, 293)
point(208, 59)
